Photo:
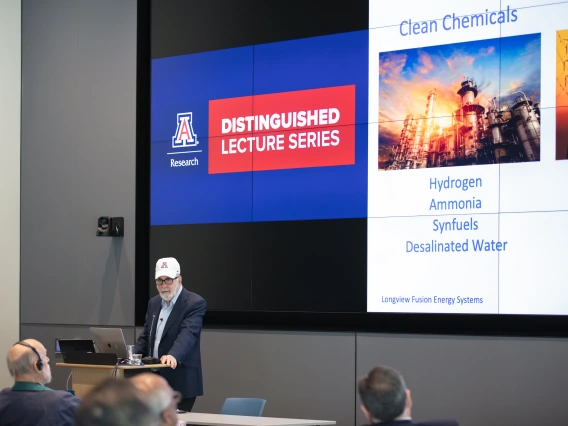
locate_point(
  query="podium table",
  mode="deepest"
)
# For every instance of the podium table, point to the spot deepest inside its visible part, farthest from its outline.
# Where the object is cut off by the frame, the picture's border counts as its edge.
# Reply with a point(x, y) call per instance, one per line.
point(87, 376)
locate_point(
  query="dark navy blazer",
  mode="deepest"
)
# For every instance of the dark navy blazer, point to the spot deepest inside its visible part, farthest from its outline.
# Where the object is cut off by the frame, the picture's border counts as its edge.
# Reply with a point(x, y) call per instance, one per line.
point(180, 339)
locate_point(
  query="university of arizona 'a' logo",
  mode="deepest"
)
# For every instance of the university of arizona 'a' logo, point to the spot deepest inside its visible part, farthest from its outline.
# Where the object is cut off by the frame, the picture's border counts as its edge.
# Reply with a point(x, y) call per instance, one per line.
point(185, 136)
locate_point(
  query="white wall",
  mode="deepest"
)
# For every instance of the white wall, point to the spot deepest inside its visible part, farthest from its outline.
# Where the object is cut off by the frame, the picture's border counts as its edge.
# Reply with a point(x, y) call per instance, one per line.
point(10, 88)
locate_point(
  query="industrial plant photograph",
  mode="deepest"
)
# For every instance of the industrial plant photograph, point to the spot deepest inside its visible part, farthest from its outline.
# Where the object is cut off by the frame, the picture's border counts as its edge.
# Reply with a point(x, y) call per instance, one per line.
point(460, 104)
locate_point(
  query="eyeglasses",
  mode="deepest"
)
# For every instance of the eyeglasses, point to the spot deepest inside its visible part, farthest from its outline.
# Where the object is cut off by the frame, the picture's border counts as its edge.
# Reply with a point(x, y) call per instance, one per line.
point(167, 281)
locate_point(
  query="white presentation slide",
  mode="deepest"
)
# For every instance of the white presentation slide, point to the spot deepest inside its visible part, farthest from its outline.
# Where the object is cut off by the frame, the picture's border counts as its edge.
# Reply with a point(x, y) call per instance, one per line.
point(425, 264)
point(532, 276)
point(468, 157)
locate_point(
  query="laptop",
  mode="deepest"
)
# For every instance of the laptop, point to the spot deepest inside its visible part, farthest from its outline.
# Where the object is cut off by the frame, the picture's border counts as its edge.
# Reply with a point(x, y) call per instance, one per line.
point(70, 347)
point(110, 341)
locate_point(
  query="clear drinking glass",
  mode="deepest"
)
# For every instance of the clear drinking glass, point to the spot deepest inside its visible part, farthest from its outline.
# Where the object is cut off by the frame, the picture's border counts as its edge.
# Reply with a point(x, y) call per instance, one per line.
point(129, 351)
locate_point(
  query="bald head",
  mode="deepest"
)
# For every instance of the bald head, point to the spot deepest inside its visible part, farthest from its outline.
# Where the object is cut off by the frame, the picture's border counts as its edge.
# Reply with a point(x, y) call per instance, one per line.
point(161, 395)
point(23, 362)
point(116, 403)
point(149, 381)
point(18, 350)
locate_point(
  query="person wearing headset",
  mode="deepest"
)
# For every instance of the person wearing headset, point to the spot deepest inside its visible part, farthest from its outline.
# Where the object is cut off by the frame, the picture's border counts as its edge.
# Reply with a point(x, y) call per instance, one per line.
point(29, 401)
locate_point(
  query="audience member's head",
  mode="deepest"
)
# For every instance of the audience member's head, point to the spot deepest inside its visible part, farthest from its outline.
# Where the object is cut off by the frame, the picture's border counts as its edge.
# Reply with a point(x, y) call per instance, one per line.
point(28, 362)
point(384, 395)
point(116, 403)
point(161, 395)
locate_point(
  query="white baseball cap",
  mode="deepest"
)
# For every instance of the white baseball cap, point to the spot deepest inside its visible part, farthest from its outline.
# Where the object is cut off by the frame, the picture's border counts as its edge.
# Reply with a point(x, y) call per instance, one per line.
point(168, 267)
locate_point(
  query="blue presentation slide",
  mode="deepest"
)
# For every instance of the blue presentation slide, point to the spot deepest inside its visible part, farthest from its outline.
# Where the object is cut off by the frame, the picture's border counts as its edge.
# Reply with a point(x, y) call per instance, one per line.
point(261, 133)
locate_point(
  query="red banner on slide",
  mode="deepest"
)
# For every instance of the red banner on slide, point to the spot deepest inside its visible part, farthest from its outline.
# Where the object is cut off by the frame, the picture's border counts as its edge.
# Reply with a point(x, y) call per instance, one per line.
point(289, 130)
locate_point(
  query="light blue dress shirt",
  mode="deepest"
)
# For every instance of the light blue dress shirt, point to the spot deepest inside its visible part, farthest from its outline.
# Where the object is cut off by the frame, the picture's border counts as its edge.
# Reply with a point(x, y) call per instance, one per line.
point(162, 319)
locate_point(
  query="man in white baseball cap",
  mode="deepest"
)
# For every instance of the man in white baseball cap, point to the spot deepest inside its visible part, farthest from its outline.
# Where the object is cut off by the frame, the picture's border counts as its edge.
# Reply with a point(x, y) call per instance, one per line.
point(172, 332)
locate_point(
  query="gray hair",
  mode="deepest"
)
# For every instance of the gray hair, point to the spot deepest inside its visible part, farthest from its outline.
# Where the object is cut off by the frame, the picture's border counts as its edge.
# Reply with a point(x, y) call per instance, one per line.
point(160, 399)
point(383, 393)
point(117, 403)
point(22, 365)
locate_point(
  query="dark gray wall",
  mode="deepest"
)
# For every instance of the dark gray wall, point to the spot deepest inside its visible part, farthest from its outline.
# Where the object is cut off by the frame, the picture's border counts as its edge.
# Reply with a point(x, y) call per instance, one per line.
point(480, 381)
point(303, 375)
point(78, 163)
point(78, 160)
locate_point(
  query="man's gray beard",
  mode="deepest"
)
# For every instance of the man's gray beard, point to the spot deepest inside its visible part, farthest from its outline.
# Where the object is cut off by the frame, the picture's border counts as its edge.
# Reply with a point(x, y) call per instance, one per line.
point(167, 298)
